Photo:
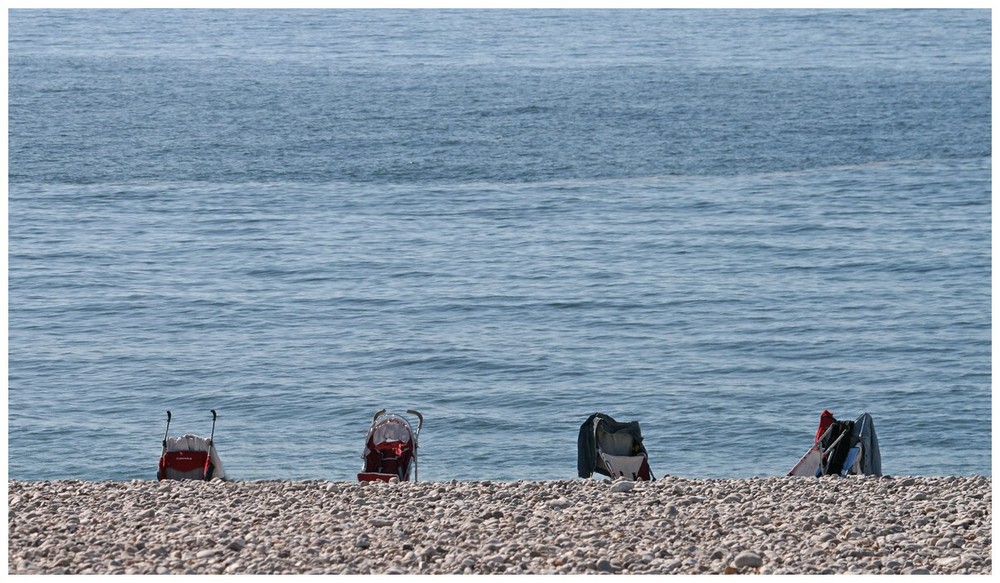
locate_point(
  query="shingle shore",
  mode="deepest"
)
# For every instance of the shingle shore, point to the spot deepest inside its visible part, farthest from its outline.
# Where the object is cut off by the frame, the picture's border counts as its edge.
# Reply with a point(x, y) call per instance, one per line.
point(673, 526)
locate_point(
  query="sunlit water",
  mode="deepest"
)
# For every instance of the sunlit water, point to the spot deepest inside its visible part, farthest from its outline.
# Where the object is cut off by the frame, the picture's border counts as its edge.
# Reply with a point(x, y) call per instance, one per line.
point(716, 223)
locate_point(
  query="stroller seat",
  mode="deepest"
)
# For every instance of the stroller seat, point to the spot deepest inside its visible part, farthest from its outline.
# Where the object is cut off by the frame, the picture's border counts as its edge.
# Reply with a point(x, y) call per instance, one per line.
point(632, 467)
point(186, 458)
point(391, 457)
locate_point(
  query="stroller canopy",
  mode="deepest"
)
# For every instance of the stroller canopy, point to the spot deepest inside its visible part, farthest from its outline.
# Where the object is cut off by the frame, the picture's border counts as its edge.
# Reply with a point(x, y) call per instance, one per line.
point(392, 428)
point(611, 448)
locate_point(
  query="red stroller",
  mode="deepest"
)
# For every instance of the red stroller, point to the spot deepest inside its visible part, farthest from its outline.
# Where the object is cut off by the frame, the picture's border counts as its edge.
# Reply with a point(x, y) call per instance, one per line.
point(189, 457)
point(391, 448)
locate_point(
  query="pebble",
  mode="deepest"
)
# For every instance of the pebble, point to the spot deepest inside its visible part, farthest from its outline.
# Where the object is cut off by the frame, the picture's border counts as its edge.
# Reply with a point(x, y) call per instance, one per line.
point(747, 559)
point(679, 526)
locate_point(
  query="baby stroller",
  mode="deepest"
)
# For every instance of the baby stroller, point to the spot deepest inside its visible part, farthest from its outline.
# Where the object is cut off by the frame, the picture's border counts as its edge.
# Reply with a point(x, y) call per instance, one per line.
point(391, 448)
point(611, 448)
point(841, 448)
point(190, 457)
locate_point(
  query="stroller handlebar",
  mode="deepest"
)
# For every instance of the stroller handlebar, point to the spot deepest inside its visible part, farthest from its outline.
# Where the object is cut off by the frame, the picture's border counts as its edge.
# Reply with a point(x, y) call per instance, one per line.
point(420, 418)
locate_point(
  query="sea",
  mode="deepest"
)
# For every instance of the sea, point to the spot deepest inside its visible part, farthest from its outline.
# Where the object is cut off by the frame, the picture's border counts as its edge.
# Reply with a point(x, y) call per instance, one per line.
point(717, 223)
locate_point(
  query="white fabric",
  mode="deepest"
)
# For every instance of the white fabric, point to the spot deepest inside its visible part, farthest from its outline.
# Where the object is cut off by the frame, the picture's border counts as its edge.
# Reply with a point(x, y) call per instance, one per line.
point(392, 430)
point(189, 442)
point(620, 444)
point(808, 464)
point(623, 465)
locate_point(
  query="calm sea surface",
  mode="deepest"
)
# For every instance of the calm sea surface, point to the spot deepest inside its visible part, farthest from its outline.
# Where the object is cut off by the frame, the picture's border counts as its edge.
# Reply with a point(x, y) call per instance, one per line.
point(717, 223)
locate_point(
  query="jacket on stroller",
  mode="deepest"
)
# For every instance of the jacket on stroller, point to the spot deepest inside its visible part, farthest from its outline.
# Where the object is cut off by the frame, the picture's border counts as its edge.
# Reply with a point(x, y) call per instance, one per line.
point(190, 457)
point(842, 448)
point(611, 448)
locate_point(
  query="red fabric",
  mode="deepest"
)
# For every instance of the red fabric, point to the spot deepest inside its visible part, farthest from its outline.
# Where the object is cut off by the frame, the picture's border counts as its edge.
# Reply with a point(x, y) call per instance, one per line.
point(825, 420)
point(389, 458)
point(644, 472)
point(184, 461)
point(393, 447)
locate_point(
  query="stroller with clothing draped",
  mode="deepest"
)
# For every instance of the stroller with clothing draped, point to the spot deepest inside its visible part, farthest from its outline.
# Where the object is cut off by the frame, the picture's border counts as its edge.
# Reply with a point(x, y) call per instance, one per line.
point(612, 448)
point(842, 448)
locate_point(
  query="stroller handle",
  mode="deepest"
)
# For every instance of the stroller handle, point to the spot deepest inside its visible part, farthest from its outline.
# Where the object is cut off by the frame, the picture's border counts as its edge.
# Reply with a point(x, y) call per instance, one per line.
point(420, 418)
point(377, 413)
point(211, 440)
point(165, 432)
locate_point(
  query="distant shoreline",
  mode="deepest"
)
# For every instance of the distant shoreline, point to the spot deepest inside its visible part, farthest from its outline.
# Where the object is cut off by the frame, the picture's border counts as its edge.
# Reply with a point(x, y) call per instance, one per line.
point(864, 525)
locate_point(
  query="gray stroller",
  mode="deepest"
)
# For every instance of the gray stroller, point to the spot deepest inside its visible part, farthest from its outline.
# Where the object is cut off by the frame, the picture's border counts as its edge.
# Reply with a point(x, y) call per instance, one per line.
point(612, 448)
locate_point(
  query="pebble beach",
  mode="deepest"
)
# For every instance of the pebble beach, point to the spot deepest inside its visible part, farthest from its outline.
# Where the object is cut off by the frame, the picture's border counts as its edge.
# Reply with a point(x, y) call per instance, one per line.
point(860, 525)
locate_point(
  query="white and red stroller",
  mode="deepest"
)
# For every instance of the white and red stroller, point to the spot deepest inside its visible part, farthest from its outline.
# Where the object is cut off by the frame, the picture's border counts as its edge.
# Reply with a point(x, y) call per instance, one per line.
point(391, 448)
point(190, 457)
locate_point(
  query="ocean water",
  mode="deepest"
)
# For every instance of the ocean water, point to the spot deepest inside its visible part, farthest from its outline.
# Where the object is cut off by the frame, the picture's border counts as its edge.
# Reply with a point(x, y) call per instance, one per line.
point(717, 223)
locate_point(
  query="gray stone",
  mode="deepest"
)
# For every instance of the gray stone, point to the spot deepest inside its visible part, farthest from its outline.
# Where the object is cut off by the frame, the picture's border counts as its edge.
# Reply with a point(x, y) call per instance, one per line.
point(748, 559)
